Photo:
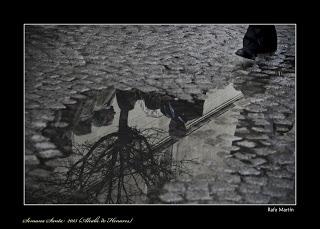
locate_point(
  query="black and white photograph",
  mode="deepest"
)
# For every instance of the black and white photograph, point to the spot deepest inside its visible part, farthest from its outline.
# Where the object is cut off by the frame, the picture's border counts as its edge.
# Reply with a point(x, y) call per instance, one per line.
point(159, 114)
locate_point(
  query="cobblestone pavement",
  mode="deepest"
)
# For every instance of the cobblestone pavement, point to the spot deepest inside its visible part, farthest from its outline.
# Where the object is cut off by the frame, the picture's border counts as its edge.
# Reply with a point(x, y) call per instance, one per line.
point(65, 64)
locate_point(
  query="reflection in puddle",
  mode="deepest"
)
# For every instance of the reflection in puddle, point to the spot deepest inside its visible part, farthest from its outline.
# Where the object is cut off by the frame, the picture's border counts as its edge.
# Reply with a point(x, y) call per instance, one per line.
point(126, 144)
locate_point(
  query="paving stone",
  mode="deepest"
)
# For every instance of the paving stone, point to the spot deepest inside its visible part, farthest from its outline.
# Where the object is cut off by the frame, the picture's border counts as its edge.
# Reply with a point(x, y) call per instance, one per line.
point(45, 145)
point(235, 163)
point(174, 187)
point(284, 122)
point(39, 124)
point(254, 198)
point(78, 96)
point(32, 106)
point(244, 156)
point(281, 183)
point(60, 124)
point(283, 129)
point(28, 152)
point(283, 158)
point(265, 143)
point(249, 188)
point(280, 174)
point(56, 106)
point(224, 154)
point(277, 117)
point(291, 168)
point(171, 197)
point(261, 122)
point(268, 166)
point(204, 178)
point(219, 186)
point(257, 137)
point(197, 195)
point(68, 101)
point(51, 153)
point(229, 196)
point(229, 178)
point(242, 130)
point(61, 170)
point(273, 191)
point(256, 116)
point(47, 117)
point(31, 160)
point(264, 151)
point(257, 161)
point(249, 171)
point(261, 130)
point(198, 185)
point(38, 138)
point(40, 173)
point(59, 162)
point(255, 108)
point(255, 180)
point(245, 143)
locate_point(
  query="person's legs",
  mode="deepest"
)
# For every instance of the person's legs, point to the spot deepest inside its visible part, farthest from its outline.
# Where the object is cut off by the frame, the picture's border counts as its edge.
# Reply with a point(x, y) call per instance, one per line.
point(177, 128)
point(250, 43)
point(258, 39)
point(267, 39)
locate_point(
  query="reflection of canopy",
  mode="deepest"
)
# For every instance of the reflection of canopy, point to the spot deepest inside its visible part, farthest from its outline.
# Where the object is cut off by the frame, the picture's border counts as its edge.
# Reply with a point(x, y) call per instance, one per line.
point(122, 166)
point(179, 111)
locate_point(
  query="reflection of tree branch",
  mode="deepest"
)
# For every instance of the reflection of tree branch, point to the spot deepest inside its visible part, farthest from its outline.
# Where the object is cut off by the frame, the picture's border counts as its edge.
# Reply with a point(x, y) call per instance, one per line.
point(120, 177)
point(125, 191)
point(141, 191)
point(109, 166)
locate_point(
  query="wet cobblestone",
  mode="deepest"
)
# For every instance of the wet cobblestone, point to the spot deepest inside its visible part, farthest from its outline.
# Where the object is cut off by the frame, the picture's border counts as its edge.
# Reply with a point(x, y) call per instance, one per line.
point(63, 63)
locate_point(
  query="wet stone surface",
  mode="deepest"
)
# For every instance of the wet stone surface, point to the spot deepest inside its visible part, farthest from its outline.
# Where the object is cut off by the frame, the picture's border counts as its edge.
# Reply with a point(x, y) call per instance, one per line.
point(124, 114)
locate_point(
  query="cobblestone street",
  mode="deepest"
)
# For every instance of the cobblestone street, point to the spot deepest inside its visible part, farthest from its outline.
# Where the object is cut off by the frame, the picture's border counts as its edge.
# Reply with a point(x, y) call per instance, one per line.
point(251, 146)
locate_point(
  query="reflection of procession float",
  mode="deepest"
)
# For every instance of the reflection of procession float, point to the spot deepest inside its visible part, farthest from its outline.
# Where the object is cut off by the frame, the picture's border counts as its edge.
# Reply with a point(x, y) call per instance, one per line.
point(123, 166)
point(134, 157)
point(127, 165)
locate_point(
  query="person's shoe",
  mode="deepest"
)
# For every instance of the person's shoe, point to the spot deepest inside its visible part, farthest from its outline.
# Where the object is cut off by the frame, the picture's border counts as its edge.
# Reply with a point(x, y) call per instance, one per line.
point(246, 54)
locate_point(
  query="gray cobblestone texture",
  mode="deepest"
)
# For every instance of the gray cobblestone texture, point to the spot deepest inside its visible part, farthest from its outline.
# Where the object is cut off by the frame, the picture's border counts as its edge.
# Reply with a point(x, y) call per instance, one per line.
point(64, 64)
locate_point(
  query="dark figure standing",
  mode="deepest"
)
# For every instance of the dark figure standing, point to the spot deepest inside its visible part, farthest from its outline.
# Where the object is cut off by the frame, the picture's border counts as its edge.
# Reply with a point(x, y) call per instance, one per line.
point(257, 40)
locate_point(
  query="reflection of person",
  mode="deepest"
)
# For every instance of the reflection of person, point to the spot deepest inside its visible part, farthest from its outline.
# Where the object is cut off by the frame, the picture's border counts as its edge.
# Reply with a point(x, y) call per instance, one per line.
point(257, 40)
point(103, 112)
point(104, 99)
point(125, 162)
point(103, 117)
point(96, 110)
point(83, 127)
point(179, 111)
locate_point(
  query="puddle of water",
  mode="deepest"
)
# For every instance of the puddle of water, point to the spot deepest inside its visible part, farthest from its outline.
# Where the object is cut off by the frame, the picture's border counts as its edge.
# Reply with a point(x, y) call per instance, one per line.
point(146, 111)
point(126, 144)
